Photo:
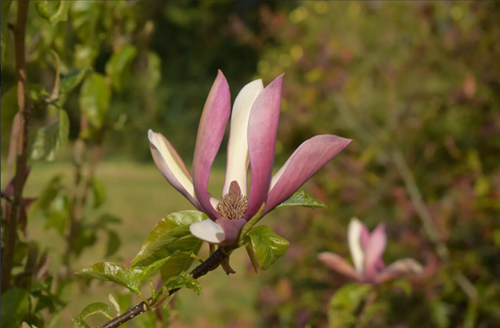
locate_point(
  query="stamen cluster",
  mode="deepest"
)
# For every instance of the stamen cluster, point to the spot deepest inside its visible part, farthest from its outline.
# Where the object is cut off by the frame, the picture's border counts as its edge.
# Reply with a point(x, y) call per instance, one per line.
point(233, 205)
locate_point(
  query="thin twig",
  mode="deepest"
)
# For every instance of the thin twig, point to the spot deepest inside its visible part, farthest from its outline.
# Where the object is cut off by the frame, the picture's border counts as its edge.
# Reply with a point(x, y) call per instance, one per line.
point(22, 145)
point(210, 264)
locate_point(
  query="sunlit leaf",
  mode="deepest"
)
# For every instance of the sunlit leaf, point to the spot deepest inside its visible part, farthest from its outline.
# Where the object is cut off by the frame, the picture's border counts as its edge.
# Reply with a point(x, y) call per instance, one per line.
point(302, 198)
point(94, 99)
point(343, 304)
point(15, 304)
point(268, 246)
point(118, 66)
point(95, 308)
point(184, 280)
point(107, 271)
point(169, 230)
point(54, 11)
point(50, 140)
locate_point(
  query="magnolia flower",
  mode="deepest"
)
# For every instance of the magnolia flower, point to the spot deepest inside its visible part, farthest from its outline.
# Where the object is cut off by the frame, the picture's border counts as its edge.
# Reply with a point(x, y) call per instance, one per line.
point(252, 140)
point(366, 252)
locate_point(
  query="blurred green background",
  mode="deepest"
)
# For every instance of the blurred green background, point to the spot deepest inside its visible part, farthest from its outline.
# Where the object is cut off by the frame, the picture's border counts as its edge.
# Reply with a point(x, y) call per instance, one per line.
point(416, 85)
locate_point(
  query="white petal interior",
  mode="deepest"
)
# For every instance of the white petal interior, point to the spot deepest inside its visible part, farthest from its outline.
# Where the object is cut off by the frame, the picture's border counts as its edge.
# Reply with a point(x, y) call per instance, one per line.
point(208, 231)
point(172, 162)
point(354, 240)
point(237, 150)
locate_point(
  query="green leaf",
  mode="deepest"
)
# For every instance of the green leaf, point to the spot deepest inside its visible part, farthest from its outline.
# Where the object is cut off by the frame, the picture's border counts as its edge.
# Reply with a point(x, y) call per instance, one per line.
point(179, 261)
point(169, 230)
point(343, 304)
point(84, 18)
point(94, 99)
point(154, 70)
point(48, 194)
point(5, 40)
point(302, 198)
point(113, 243)
point(58, 214)
point(98, 192)
point(440, 313)
point(15, 305)
point(85, 55)
point(8, 105)
point(50, 140)
point(52, 11)
point(183, 280)
point(115, 304)
point(118, 66)
point(95, 308)
point(71, 80)
point(80, 323)
point(107, 271)
point(268, 246)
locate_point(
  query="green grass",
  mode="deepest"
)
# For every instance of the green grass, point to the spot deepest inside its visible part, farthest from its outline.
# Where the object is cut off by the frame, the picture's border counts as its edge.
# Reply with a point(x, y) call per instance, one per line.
point(140, 196)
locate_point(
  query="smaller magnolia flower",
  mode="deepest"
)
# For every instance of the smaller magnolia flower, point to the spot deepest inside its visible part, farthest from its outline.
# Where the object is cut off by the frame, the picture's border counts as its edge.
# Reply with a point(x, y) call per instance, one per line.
point(366, 252)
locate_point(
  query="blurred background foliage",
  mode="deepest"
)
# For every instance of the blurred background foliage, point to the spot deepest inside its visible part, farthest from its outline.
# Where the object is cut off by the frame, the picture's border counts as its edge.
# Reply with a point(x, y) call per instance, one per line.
point(415, 84)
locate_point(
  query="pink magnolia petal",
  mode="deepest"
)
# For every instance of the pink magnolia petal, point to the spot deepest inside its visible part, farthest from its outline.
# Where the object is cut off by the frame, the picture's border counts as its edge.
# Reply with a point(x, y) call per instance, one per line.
point(399, 269)
point(262, 129)
point(365, 236)
point(208, 231)
point(354, 232)
point(308, 159)
point(210, 133)
point(231, 229)
point(373, 251)
point(172, 166)
point(219, 232)
point(339, 265)
point(237, 145)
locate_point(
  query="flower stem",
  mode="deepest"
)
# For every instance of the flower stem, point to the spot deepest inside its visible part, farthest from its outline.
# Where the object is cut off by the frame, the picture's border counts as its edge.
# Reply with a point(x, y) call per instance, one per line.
point(210, 264)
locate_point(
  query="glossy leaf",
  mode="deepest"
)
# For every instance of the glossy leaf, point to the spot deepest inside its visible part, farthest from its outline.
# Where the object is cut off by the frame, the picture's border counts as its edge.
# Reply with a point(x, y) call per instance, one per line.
point(50, 140)
point(169, 230)
point(302, 198)
point(343, 304)
point(107, 271)
point(94, 99)
point(95, 308)
point(118, 66)
point(54, 11)
point(15, 304)
point(5, 6)
point(268, 246)
point(71, 80)
point(184, 280)
point(180, 261)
